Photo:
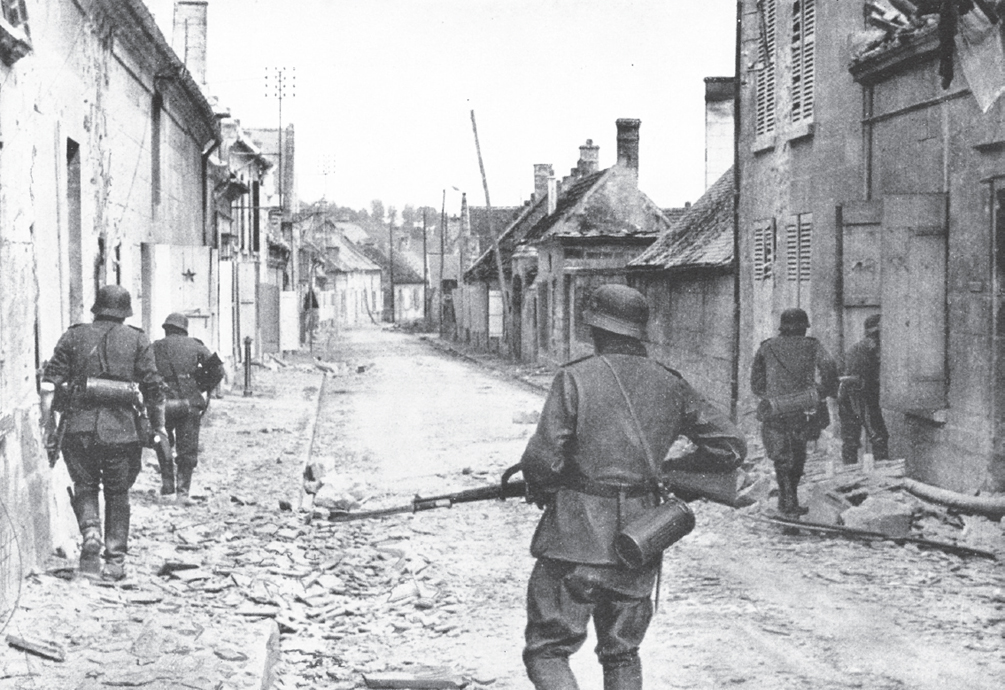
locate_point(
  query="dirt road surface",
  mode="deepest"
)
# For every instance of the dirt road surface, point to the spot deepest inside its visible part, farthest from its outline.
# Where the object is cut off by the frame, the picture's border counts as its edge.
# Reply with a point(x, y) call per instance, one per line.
point(741, 603)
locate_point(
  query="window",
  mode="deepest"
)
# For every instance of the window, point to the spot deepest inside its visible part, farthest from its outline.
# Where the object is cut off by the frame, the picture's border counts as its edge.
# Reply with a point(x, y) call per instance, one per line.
point(14, 34)
point(15, 14)
point(802, 49)
point(764, 249)
point(798, 247)
point(765, 79)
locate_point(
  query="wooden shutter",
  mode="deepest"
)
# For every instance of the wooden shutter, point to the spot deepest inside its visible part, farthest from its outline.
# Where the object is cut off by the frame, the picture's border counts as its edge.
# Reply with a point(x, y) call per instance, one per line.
point(803, 44)
point(913, 275)
point(765, 81)
point(764, 249)
point(805, 250)
point(860, 228)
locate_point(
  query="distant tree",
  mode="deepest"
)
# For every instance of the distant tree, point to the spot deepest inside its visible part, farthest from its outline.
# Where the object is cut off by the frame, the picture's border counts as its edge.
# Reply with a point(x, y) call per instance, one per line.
point(392, 215)
point(377, 211)
point(408, 217)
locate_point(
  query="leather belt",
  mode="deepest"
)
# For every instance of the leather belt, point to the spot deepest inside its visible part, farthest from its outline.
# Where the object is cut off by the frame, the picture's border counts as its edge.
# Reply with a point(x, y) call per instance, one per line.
point(603, 490)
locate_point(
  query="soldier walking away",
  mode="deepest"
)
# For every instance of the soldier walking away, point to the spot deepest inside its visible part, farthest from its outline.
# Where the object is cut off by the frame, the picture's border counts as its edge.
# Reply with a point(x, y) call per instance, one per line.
point(792, 374)
point(94, 378)
point(190, 372)
point(592, 465)
point(858, 398)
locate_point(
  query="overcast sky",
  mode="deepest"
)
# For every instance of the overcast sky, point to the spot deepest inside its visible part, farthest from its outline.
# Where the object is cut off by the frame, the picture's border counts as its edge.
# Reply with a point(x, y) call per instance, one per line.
point(384, 89)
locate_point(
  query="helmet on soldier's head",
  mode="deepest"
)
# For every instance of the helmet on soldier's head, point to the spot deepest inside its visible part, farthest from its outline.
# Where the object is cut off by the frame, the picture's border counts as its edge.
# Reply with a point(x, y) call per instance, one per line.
point(618, 309)
point(176, 320)
point(872, 324)
point(113, 300)
point(794, 319)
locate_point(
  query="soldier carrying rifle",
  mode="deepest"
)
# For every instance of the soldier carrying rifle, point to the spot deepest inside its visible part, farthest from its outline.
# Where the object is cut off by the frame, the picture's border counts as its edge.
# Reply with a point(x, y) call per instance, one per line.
point(190, 372)
point(99, 369)
point(593, 465)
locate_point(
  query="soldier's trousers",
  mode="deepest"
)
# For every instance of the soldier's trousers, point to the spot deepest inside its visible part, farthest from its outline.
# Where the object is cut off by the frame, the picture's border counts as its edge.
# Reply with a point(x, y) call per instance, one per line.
point(184, 435)
point(785, 446)
point(858, 412)
point(559, 608)
point(111, 468)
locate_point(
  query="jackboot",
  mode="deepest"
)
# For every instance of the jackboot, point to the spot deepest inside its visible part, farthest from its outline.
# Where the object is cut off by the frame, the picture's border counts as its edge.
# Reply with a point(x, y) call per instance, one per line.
point(184, 485)
point(90, 552)
point(795, 478)
point(167, 477)
point(85, 507)
point(116, 535)
point(784, 492)
point(551, 674)
point(623, 676)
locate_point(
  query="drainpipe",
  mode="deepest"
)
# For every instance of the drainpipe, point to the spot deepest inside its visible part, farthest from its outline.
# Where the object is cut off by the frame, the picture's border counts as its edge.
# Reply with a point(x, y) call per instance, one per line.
point(214, 145)
point(734, 384)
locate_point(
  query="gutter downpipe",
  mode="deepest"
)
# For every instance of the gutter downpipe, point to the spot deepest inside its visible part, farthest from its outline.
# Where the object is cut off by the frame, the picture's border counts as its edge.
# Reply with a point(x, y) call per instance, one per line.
point(734, 392)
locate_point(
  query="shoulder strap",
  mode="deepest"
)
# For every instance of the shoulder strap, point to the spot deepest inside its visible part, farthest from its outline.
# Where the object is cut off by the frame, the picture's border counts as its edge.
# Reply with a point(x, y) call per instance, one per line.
point(653, 470)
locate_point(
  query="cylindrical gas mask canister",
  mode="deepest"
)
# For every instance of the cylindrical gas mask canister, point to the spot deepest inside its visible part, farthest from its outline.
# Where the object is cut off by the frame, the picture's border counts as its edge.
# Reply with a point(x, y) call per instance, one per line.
point(176, 410)
point(110, 392)
point(647, 537)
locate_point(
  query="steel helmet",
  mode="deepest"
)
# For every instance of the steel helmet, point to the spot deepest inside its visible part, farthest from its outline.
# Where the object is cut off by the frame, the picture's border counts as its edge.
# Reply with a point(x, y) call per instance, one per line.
point(618, 309)
point(177, 320)
point(113, 300)
point(794, 319)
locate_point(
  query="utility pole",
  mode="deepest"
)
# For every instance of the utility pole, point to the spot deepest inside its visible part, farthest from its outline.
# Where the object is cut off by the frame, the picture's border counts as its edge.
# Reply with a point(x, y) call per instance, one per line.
point(425, 271)
point(443, 244)
point(281, 83)
point(390, 261)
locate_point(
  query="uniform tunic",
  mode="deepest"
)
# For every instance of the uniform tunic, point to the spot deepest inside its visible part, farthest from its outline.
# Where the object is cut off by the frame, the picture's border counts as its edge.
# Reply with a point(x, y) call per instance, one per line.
point(784, 365)
point(101, 445)
point(859, 402)
point(178, 358)
point(586, 436)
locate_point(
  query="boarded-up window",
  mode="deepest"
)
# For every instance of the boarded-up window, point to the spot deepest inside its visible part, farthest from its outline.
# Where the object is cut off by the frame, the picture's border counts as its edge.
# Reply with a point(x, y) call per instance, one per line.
point(764, 249)
point(803, 40)
point(767, 11)
point(799, 247)
point(914, 302)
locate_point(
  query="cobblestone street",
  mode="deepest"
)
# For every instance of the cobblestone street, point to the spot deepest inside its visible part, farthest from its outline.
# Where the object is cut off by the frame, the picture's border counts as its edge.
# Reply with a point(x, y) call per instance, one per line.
point(242, 587)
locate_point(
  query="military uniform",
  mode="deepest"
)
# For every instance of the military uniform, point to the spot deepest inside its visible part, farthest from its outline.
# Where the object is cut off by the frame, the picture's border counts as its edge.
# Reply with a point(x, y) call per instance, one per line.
point(587, 465)
point(858, 400)
point(179, 361)
point(101, 445)
point(784, 365)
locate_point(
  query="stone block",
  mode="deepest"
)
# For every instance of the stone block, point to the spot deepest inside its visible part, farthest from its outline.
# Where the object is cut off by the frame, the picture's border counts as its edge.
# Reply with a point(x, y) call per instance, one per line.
point(883, 515)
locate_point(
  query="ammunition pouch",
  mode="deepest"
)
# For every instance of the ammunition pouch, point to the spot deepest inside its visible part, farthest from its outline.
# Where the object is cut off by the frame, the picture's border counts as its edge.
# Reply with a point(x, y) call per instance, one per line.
point(209, 373)
point(645, 539)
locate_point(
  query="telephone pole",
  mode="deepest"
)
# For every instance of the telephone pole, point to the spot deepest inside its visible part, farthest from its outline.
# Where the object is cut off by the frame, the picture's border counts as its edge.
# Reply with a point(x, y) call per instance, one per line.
point(282, 85)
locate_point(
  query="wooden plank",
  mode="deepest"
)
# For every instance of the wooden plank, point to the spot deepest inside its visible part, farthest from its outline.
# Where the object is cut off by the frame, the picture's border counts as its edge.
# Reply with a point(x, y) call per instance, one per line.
point(35, 645)
point(416, 681)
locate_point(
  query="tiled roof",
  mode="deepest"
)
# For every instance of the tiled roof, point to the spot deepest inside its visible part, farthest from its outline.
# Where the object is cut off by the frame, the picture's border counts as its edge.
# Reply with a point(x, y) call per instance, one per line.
point(607, 204)
point(512, 232)
point(403, 274)
point(701, 238)
point(351, 258)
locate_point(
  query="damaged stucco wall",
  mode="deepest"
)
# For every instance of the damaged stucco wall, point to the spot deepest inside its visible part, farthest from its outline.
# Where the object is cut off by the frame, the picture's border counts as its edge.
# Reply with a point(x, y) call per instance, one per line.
point(76, 208)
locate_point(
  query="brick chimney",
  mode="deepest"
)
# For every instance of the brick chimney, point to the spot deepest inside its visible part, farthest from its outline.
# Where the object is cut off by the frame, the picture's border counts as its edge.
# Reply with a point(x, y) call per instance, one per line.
point(542, 171)
point(589, 158)
point(719, 93)
point(189, 36)
point(628, 143)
